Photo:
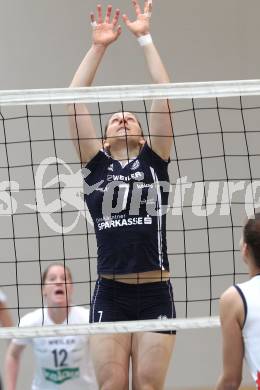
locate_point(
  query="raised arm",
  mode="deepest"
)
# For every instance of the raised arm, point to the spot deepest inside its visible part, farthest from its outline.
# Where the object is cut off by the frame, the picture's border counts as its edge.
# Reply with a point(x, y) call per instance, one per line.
point(232, 318)
point(160, 121)
point(12, 363)
point(104, 33)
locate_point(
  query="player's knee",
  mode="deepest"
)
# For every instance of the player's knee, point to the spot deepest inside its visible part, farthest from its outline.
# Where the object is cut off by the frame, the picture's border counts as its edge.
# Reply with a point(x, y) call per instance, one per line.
point(113, 385)
point(113, 378)
point(147, 386)
point(147, 382)
point(231, 383)
point(231, 386)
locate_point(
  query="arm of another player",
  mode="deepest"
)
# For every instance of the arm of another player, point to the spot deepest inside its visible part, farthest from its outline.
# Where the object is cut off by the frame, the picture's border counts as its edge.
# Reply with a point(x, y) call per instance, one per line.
point(5, 317)
point(104, 33)
point(160, 121)
point(232, 318)
point(12, 364)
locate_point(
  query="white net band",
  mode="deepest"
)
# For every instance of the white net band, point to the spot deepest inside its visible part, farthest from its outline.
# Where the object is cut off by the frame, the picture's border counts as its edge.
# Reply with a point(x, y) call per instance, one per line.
point(111, 327)
point(131, 92)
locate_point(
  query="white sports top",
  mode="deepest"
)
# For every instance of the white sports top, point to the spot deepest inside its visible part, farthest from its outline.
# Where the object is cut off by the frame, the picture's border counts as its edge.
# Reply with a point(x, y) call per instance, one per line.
point(61, 362)
point(250, 293)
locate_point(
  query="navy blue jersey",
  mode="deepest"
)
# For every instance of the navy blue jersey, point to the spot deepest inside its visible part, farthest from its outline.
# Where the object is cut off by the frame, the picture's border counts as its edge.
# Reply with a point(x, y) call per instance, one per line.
point(128, 206)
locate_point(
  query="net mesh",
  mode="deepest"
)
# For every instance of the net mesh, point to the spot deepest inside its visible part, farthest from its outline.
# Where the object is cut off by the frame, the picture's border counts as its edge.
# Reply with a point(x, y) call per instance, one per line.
point(214, 174)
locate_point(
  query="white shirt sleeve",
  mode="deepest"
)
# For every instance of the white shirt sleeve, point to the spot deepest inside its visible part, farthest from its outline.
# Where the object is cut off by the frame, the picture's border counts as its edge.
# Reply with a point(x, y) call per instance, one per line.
point(27, 320)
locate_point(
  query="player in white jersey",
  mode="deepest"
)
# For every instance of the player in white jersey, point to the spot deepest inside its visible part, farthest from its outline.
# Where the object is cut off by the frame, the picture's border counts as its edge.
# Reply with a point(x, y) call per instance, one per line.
point(5, 317)
point(240, 315)
point(61, 362)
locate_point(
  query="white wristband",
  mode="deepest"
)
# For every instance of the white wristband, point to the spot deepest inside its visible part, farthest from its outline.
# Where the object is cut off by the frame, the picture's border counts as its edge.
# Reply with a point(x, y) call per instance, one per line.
point(94, 24)
point(145, 39)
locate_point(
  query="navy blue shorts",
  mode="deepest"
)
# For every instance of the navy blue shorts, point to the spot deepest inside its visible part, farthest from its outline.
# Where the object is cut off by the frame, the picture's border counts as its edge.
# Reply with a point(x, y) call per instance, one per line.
point(117, 301)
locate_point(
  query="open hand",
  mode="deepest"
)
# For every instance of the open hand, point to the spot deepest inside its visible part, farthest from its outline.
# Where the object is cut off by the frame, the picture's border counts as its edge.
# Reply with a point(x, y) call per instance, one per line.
point(141, 26)
point(105, 31)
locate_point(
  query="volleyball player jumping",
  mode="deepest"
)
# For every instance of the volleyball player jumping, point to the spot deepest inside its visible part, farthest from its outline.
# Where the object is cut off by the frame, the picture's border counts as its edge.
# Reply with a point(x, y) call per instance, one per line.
point(240, 315)
point(61, 362)
point(133, 267)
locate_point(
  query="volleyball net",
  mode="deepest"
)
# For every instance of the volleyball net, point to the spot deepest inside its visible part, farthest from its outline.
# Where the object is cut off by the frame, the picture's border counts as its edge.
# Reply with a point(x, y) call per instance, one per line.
point(214, 185)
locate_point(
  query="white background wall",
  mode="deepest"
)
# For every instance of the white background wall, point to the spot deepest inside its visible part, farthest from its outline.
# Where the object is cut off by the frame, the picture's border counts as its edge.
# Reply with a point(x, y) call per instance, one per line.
point(42, 43)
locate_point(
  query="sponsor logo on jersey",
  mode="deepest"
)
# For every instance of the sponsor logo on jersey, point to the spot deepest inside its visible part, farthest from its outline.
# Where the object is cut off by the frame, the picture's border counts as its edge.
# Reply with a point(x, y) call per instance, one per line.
point(135, 165)
point(125, 222)
point(110, 168)
point(61, 375)
point(144, 185)
point(63, 341)
point(133, 176)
